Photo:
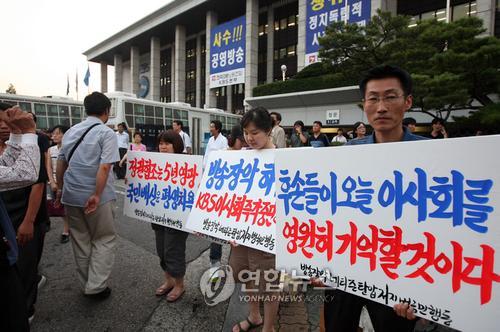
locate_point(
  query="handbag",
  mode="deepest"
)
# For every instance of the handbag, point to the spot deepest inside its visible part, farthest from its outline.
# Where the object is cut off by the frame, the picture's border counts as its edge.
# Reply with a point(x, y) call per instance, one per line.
point(54, 211)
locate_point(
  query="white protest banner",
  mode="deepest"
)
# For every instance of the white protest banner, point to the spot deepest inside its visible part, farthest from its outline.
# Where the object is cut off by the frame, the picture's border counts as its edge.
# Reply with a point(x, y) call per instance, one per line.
point(235, 200)
point(415, 222)
point(161, 187)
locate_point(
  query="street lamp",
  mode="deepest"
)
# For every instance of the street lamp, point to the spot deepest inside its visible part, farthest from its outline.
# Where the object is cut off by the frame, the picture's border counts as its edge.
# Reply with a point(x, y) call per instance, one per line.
point(283, 71)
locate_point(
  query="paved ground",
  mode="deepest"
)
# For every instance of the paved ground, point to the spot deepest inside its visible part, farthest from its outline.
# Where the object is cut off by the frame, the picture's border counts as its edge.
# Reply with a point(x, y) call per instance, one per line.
point(132, 305)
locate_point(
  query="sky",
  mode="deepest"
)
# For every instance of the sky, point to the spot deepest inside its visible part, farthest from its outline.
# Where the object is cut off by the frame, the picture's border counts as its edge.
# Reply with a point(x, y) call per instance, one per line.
point(42, 42)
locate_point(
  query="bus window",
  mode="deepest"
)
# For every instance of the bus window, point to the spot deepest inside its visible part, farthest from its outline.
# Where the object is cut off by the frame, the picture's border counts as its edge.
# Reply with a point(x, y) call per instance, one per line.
point(53, 122)
point(63, 111)
point(150, 111)
point(129, 110)
point(40, 110)
point(150, 120)
point(159, 112)
point(25, 106)
point(168, 113)
point(52, 110)
point(138, 110)
point(41, 122)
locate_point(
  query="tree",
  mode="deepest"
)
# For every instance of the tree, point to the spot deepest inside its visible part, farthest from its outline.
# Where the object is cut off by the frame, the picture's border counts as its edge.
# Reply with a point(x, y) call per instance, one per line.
point(453, 67)
point(11, 89)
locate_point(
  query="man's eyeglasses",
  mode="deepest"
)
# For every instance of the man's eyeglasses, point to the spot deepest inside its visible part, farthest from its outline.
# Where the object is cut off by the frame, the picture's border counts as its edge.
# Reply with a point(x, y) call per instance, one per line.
point(388, 100)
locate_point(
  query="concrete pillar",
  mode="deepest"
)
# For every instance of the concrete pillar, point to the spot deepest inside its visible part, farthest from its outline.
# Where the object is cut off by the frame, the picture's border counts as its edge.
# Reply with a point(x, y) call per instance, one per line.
point(104, 77)
point(180, 63)
point(301, 36)
point(118, 73)
point(134, 70)
point(210, 98)
point(270, 44)
point(198, 71)
point(251, 47)
point(486, 11)
point(172, 70)
point(154, 67)
point(229, 96)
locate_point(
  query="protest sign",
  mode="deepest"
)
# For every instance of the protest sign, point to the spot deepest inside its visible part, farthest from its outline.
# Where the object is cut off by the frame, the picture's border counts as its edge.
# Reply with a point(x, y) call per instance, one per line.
point(161, 187)
point(417, 222)
point(235, 200)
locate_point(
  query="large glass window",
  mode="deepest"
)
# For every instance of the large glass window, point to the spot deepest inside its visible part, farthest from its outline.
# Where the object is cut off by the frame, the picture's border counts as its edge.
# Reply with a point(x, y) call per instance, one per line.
point(40, 109)
point(52, 110)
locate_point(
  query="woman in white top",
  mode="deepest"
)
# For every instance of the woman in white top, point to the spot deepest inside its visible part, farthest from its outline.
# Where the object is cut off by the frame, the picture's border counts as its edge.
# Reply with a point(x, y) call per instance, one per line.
point(57, 137)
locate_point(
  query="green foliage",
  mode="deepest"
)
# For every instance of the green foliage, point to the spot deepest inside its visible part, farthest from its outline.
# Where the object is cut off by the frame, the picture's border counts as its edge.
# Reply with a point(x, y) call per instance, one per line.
point(487, 119)
point(11, 89)
point(450, 63)
point(304, 84)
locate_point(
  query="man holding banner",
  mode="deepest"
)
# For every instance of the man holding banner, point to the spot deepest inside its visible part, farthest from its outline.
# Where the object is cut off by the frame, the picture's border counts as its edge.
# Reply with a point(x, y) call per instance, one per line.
point(387, 96)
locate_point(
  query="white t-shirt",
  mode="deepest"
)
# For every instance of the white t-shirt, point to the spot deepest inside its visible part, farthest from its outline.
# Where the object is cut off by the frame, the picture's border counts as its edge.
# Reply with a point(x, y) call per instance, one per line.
point(214, 145)
point(122, 139)
point(340, 139)
point(186, 140)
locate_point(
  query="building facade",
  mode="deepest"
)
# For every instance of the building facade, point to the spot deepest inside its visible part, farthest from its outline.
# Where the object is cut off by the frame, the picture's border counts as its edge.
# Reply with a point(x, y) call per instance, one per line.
point(181, 52)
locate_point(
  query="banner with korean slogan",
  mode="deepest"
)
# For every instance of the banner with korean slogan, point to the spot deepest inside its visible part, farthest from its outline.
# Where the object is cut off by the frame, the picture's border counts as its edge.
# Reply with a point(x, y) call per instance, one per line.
point(227, 53)
point(415, 222)
point(235, 200)
point(161, 187)
point(321, 13)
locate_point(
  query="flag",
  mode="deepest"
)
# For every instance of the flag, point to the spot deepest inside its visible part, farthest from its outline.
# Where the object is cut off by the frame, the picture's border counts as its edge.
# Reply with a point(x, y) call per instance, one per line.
point(67, 85)
point(87, 77)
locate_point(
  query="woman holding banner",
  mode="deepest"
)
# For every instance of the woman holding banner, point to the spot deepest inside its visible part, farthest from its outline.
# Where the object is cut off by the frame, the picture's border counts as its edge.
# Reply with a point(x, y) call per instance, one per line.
point(257, 126)
point(170, 242)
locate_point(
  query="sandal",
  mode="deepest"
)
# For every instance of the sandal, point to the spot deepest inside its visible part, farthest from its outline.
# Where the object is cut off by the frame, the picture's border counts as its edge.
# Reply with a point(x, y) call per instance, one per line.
point(163, 289)
point(251, 325)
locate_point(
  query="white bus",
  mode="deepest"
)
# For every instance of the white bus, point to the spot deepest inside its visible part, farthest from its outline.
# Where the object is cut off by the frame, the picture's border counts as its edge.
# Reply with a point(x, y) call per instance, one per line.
point(151, 117)
point(49, 111)
point(146, 116)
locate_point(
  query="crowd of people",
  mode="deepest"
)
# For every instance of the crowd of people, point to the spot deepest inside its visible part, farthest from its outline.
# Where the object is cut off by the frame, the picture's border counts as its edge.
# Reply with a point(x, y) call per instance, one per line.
point(76, 174)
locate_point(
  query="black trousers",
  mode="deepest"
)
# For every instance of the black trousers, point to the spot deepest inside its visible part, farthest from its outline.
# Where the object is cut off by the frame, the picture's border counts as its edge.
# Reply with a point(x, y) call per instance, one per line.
point(171, 248)
point(121, 171)
point(13, 313)
point(27, 263)
point(343, 311)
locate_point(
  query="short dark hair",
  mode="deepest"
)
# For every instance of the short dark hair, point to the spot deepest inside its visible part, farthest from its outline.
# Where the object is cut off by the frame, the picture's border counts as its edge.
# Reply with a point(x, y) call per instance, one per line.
point(5, 106)
point(278, 116)
point(217, 125)
point(260, 117)
point(236, 133)
point(437, 120)
point(300, 123)
point(33, 114)
point(123, 124)
point(173, 138)
point(96, 103)
point(179, 123)
point(62, 128)
point(318, 123)
point(137, 133)
point(340, 129)
point(387, 71)
point(409, 121)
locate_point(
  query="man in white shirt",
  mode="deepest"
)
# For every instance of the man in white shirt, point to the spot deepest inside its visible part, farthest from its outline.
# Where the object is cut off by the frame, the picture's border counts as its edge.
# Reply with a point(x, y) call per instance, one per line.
point(177, 126)
point(123, 145)
point(340, 138)
point(215, 143)
point(278, 133)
